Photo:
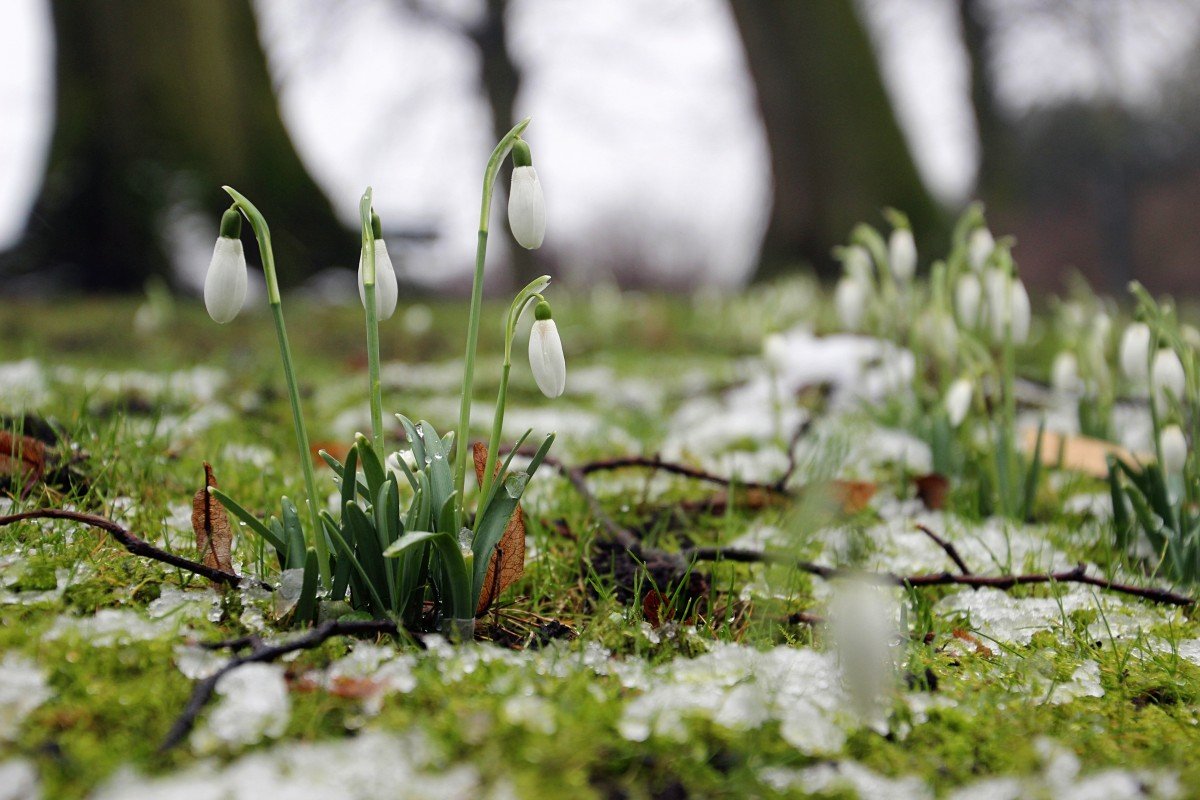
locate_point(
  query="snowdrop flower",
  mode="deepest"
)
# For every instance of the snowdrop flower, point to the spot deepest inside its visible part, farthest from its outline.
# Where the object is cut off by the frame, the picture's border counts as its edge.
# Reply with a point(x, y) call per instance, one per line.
point(526, 205)
point(1008, 306)
point(387, 289)
point(863, 624)
point(775, 351)
point(902, 254)
point(546, 353)
point(967, 296)
point(856, 262)
point(1135, 352)
point(980, 245)
point(226, 281)
point(1166, 375)
point(958, 401)
point(1173, 446)
point(1064, 373)
point(938, 334)
point(850, 298)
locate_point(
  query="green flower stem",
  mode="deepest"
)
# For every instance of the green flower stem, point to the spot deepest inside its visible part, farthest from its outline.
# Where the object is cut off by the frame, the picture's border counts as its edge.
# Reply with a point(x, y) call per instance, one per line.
point(369, 291)
point(468, 385)
point(263, 234)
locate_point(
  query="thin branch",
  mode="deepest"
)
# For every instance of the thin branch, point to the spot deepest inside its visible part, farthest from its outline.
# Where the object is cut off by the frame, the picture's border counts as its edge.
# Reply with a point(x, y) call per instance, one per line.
point(136, 546)
point(793, 463)
point(261, 653)
point(656, 463)
point(949, 548)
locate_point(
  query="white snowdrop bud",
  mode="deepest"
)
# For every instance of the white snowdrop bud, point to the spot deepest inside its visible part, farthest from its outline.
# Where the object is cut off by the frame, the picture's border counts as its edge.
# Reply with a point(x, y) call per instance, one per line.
point(1190, 336)
point(938, 334)
point(226, 282)
point(967, 296)
point(1135, 352)
point(1173, 446)
point(526, 205)
point(863, 624)
point(980, 245)
point(902, 254)
point(1166, 375)
point(775, 350)
point(546, 354)
point(856, 262)
point(958, 401)
point(387, 288)
point(1008, 306)
point(1064, 373)
point(850, 298)
point(1021, 311)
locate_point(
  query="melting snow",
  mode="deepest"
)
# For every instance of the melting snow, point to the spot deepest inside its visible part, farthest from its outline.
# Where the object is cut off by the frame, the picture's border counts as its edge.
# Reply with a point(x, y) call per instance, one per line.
point(19, 780)
point(253, 704)
point(109, 627)
point(23, 688)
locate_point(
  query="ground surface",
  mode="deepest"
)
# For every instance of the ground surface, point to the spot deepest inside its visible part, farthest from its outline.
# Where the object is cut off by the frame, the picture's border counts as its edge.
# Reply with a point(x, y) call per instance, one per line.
point(1054, 691)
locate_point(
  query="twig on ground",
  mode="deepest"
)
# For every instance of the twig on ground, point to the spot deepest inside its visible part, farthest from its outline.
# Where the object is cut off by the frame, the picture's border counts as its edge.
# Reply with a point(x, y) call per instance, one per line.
point(670, 467)
point(261, 653)
point(136, 546)
point(792, 462)
point(950, 549)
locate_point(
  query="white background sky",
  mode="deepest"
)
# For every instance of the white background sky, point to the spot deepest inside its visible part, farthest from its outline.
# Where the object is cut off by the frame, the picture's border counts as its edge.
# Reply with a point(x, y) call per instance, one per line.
point(645, 133)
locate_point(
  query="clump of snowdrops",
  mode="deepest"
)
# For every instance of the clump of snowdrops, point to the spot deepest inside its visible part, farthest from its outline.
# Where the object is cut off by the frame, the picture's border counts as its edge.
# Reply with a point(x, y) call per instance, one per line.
point(385, 560)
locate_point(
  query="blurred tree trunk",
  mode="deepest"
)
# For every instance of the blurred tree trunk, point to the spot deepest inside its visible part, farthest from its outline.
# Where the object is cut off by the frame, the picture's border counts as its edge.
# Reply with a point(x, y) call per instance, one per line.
point(837, 152)
point(159, 104)
point(994, 183)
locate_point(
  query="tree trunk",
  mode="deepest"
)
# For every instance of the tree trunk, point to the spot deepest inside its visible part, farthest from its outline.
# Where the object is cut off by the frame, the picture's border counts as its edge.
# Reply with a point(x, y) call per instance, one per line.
point(837, 152)
point(995, 180)
point(159, 104)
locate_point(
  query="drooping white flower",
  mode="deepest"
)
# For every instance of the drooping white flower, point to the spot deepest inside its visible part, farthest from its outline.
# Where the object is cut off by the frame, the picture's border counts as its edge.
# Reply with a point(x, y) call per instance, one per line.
point(967, 296)
point(1064, 373)
point(958, 401)
point(980, 245)
point(775, 350)
point(850, 298)
point(856, 262)
point(387, 288)
point(546, 358)
point(1008, 306)
point(863, 623)
point(938, 334)
point(1135, 352)
point(1166, 375)
point(1173, 446)
point(527, 208)
point(226, 282)
point(902, 254)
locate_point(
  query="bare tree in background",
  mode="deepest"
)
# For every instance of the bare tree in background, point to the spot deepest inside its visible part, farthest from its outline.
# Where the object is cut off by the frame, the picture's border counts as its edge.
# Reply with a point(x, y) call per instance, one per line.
point(500, 80)
point(837, 151)
point(159, 104)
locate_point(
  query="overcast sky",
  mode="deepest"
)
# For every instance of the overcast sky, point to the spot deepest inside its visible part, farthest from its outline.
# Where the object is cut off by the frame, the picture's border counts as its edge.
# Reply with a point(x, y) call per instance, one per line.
point(645, 131)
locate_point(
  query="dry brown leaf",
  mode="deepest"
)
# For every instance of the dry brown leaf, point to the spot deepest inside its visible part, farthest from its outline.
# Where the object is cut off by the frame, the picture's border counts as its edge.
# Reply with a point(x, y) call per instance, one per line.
point(965, 636)
point(22, 459)
point(850, 497)
point(214, 537)
point(932, 490)
point(509, 555)
point(1079, 453)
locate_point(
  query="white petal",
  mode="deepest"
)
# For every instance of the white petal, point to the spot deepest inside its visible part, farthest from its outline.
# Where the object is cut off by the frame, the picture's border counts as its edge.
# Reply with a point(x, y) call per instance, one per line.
point(387, 289)
point(958, 401)
point(1167, 374)
point(527, 208)
point(1173, 445)
point(226, 281)
point(546, 358)
point(902, 255)
point(850, 298)
point(979, 246)
point(967, 296)
point(1064, 373)
point(1135, 352)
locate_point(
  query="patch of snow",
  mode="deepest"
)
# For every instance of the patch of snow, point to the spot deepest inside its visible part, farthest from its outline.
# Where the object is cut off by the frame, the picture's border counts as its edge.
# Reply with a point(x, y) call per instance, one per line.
point(841, 777)
point(253, 705)
point(23, 385)
point(110, 627)
point(19, 780)
point(372, 766)
point(1084, 682)
point(198, 662)
point(181, 604)
point(23, 688)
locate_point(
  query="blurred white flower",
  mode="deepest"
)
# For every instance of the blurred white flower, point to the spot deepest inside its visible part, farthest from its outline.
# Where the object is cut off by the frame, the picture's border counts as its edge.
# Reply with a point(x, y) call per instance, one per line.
point(856, 262)
point(938, 334)
point(902, 254)
point(1135, 353)
point(1166, 375)
point(1173, 446)
point(980, 245)
point(967, 296)
point(526, 208)
point(958, 401)
point(546, 358)
point(226, 282)
point(775, 351)
point(1008, 306)
point(387, 289)
point(850, 298)
point(1064, 373)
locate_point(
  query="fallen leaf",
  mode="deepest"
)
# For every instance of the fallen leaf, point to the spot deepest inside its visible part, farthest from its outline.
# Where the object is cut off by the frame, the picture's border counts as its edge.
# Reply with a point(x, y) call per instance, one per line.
point(964, 636)
point(214, 537)
point(1079, 453)
point(653, 608)
point(22, 460)
point(932, 489)
point(509, 555)
point(849, 496)
point(336, 449)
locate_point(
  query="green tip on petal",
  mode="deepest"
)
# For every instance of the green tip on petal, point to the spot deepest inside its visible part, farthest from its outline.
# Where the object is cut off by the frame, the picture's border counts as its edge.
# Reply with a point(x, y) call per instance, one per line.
point(520, 154)
point(542, 310)
point(231, 223)
point(376, 226)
